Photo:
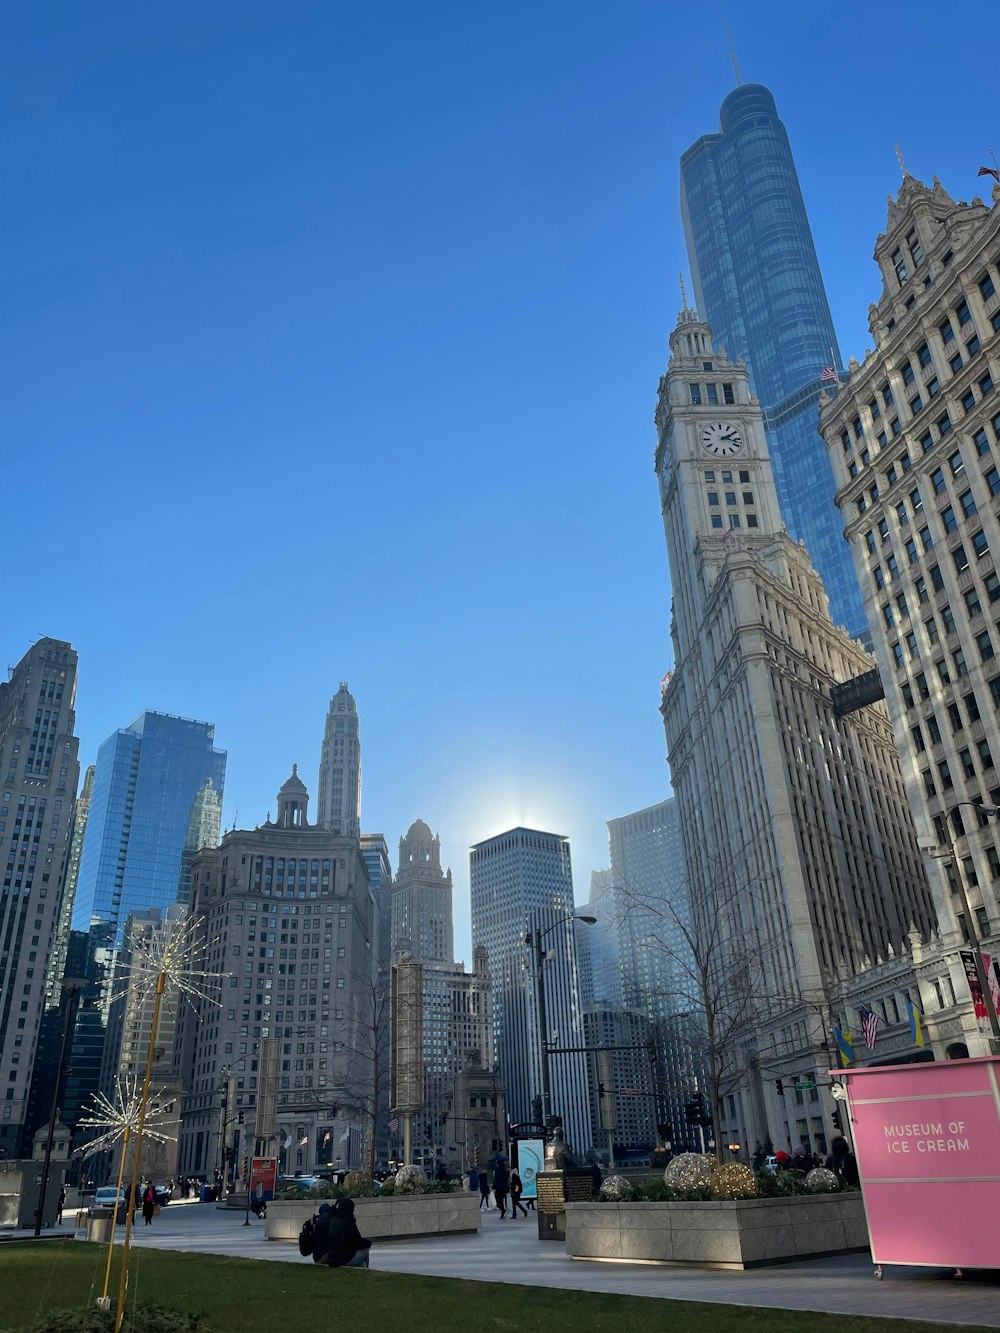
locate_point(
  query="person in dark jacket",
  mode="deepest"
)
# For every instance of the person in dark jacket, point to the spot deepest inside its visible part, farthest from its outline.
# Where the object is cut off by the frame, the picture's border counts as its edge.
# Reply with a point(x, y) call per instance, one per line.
point(473, 1180)
point(321, 1233)
point(484, 1189)
point(148, 1203)
point(843, 1161)
point(516, 1190)
point(501, 1184)
point(801, 1160)
point(596, 1179)
point(347, 1248)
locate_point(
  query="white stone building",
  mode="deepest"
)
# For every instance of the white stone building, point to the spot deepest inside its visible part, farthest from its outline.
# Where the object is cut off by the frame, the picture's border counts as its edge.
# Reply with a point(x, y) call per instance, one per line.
point(914, 437)
point(800, 852)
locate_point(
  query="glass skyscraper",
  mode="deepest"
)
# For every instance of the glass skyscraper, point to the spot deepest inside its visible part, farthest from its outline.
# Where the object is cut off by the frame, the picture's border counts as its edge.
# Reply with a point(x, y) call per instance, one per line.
point(148, 795)
point(757, 283)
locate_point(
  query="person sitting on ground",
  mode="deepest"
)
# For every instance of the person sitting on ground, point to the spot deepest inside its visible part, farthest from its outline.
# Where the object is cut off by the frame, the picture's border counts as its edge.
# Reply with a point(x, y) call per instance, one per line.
point(347, 1248)
point(321, 1233)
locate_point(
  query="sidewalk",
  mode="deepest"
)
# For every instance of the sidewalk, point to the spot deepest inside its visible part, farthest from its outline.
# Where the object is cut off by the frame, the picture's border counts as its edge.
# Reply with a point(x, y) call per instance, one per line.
point(507, 1251)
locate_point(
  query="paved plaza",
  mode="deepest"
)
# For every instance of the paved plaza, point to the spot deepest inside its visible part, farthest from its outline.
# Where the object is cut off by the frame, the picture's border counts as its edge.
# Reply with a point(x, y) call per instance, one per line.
point(508, 1251)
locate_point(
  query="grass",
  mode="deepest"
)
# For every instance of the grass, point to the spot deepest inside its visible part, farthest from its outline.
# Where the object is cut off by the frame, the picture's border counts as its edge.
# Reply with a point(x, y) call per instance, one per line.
point(254, 1296)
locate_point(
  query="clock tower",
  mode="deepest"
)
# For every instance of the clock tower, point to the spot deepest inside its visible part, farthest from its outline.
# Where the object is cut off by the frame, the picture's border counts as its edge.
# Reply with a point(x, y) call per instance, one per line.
point(799, 849)
point(713, 465)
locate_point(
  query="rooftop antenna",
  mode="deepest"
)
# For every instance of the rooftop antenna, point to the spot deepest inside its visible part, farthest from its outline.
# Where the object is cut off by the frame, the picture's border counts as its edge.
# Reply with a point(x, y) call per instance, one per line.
point(684, 299)
point(902, 164)
point(732, 52)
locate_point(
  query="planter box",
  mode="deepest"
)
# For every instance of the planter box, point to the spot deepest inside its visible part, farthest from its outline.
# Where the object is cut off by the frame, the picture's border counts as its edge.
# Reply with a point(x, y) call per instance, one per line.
point(384, 1219)
point(736, 1233)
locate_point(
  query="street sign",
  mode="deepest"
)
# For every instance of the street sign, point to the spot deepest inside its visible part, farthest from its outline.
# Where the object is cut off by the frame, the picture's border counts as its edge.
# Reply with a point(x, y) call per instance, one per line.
point(263, 1177)
point(806, 1084)
point(38, 1179)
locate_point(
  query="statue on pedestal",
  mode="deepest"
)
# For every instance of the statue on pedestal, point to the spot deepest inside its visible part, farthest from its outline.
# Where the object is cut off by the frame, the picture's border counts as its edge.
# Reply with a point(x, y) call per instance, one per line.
point(557, 1156)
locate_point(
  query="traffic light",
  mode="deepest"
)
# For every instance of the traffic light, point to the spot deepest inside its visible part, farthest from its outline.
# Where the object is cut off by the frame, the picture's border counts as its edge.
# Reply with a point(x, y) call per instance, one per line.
point(836, 1120)
point(240, 1117)
point(650, 1045)
point(692, 1112)
point(779, 1087)
point(600, 1091)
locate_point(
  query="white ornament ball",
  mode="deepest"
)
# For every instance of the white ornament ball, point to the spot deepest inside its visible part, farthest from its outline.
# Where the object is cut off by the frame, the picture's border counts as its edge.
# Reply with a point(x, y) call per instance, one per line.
point(821, 1180)
point(689, 1171)
point(409, 1180)
point(616, 1188)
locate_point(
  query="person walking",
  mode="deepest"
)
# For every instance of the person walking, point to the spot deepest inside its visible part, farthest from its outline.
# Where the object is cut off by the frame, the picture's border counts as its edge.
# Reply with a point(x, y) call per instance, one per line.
point(346, 1247)
point(484, 1189)
point(501, 1185)
point(516, 1190)
point(61, 1204)
point(148, 1203)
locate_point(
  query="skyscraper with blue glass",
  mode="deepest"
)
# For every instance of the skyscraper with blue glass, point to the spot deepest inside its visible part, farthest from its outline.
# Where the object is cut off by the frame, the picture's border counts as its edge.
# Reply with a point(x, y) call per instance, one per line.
point(757, 283)
point(148, 793)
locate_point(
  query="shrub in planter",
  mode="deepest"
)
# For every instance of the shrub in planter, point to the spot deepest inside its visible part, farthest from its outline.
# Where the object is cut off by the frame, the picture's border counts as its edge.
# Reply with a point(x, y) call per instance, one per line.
point(141, 1319)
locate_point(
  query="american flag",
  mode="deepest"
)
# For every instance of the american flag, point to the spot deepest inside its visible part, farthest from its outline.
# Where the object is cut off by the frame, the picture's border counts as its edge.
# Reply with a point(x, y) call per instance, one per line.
point(326, 1137)
point(303, 1140)
point(869, 1025)
point(829, 376)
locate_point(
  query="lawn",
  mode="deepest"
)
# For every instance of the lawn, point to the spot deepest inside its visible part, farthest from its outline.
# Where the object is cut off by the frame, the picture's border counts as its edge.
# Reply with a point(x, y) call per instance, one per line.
point(248, 1296)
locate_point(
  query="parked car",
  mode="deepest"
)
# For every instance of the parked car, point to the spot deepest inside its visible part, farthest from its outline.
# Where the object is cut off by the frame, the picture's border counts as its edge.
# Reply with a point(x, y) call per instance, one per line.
point(163, 1194)
point(297, 1182)
point(104, 1201)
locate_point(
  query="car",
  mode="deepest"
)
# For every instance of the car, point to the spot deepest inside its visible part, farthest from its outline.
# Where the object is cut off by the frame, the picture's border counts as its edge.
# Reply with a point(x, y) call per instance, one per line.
point(163, 1194)
point(104, 1200)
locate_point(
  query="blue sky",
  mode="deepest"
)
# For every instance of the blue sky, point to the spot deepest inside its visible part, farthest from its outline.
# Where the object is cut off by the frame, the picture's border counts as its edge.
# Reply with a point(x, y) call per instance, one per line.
point(331, 334)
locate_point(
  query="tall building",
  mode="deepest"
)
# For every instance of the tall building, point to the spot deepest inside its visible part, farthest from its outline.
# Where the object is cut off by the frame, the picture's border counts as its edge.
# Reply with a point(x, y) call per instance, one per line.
point(286, 915)
point(421, 899)
point(39, 771)
point(375, 851)
point(522, 881)
point(57, 959)
point(147, 796)
point(339, 805)
point(914, 437)
point(147, 802)
point(757, 283)
point(632, 1087)
point(799, 848)
point(447, 1012)
point(597, 946)
point(653, 917)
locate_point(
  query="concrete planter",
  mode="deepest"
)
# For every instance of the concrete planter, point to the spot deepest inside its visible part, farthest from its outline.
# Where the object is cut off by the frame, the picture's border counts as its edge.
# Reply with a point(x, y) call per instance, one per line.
point(384, 1219)
point(736, 1233)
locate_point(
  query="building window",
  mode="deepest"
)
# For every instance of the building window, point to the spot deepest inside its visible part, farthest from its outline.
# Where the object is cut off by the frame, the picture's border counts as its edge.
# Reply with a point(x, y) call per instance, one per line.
point(870, 541)
point(948, 619)
point(968, 767)
point(960, 558)
point(932, 630)
point(908, 375)
point(916, 501)
point(963, 312)
point(920, 585)
point(946, 331)
point(713, 497)
point(968, 504)
point(956, 363)
point(716, 520)
point(897, 653)
point(713, 394)
point(925, 539)
point(986, 287)
point(916, 404)
point(972, 346)
point(985, 756)
point(887, 397)
point(937, 480)
point(981, 442)
point(955, 718)
point(992, 479)
point(968, 401)
point(944, 424)
point(991, 583)
point(986, 384)
point(948, 518)
point(696, 394)
point(972, 602)
point(899, 264)
point(924, 355)
point(926, 441)
point(933, 386)
point(985, 645)
point(727, 393)
point(980, 545)
point(915, 248)
point(958, 657)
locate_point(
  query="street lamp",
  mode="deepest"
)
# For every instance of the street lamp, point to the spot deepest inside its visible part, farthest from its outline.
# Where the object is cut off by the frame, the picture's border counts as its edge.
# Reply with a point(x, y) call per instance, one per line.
point(971, 926)
point(72, 986)
point(534, 940)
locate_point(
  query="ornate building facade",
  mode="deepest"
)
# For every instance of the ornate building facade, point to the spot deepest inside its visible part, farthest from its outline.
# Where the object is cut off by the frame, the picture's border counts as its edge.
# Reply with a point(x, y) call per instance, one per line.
point(800, 852)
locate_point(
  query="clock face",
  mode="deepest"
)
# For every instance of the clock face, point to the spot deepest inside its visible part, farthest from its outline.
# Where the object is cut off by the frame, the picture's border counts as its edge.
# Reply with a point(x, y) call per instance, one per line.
point(722, 439)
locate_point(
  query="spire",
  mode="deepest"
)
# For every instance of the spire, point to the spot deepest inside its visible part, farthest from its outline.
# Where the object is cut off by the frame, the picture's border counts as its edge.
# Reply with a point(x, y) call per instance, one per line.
point(293, 802)
point(902, 163)
point(732, 51)
point(684, 299)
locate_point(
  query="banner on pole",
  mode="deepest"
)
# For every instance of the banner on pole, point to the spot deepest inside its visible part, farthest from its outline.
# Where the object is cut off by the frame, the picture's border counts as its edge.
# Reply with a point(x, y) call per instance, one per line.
point(263, 1178)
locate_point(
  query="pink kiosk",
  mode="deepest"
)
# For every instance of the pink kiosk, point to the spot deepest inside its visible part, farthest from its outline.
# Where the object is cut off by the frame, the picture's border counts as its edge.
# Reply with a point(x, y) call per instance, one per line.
point(927, 1142)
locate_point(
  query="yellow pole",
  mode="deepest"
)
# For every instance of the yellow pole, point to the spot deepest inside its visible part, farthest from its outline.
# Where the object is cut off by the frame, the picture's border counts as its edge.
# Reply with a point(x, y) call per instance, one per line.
point(161, 982)
point(103, 1302)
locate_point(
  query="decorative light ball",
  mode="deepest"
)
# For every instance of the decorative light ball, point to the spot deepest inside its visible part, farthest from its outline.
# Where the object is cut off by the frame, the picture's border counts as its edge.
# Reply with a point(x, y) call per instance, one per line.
point(410, 1180)
point(616, 1188)
point(689, 1171)
point(355, 1180)
point(733, 1180)
point(821, 1180)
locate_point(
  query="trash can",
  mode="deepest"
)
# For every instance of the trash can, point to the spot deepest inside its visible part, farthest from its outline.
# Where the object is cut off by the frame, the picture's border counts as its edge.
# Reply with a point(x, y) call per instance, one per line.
point(99, 1226)
point(206, 1193)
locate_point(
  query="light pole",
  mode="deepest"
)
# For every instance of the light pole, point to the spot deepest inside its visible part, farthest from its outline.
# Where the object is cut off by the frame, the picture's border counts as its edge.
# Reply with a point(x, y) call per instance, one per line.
point(971, 926)
point(534, 941)
point(72, 986)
